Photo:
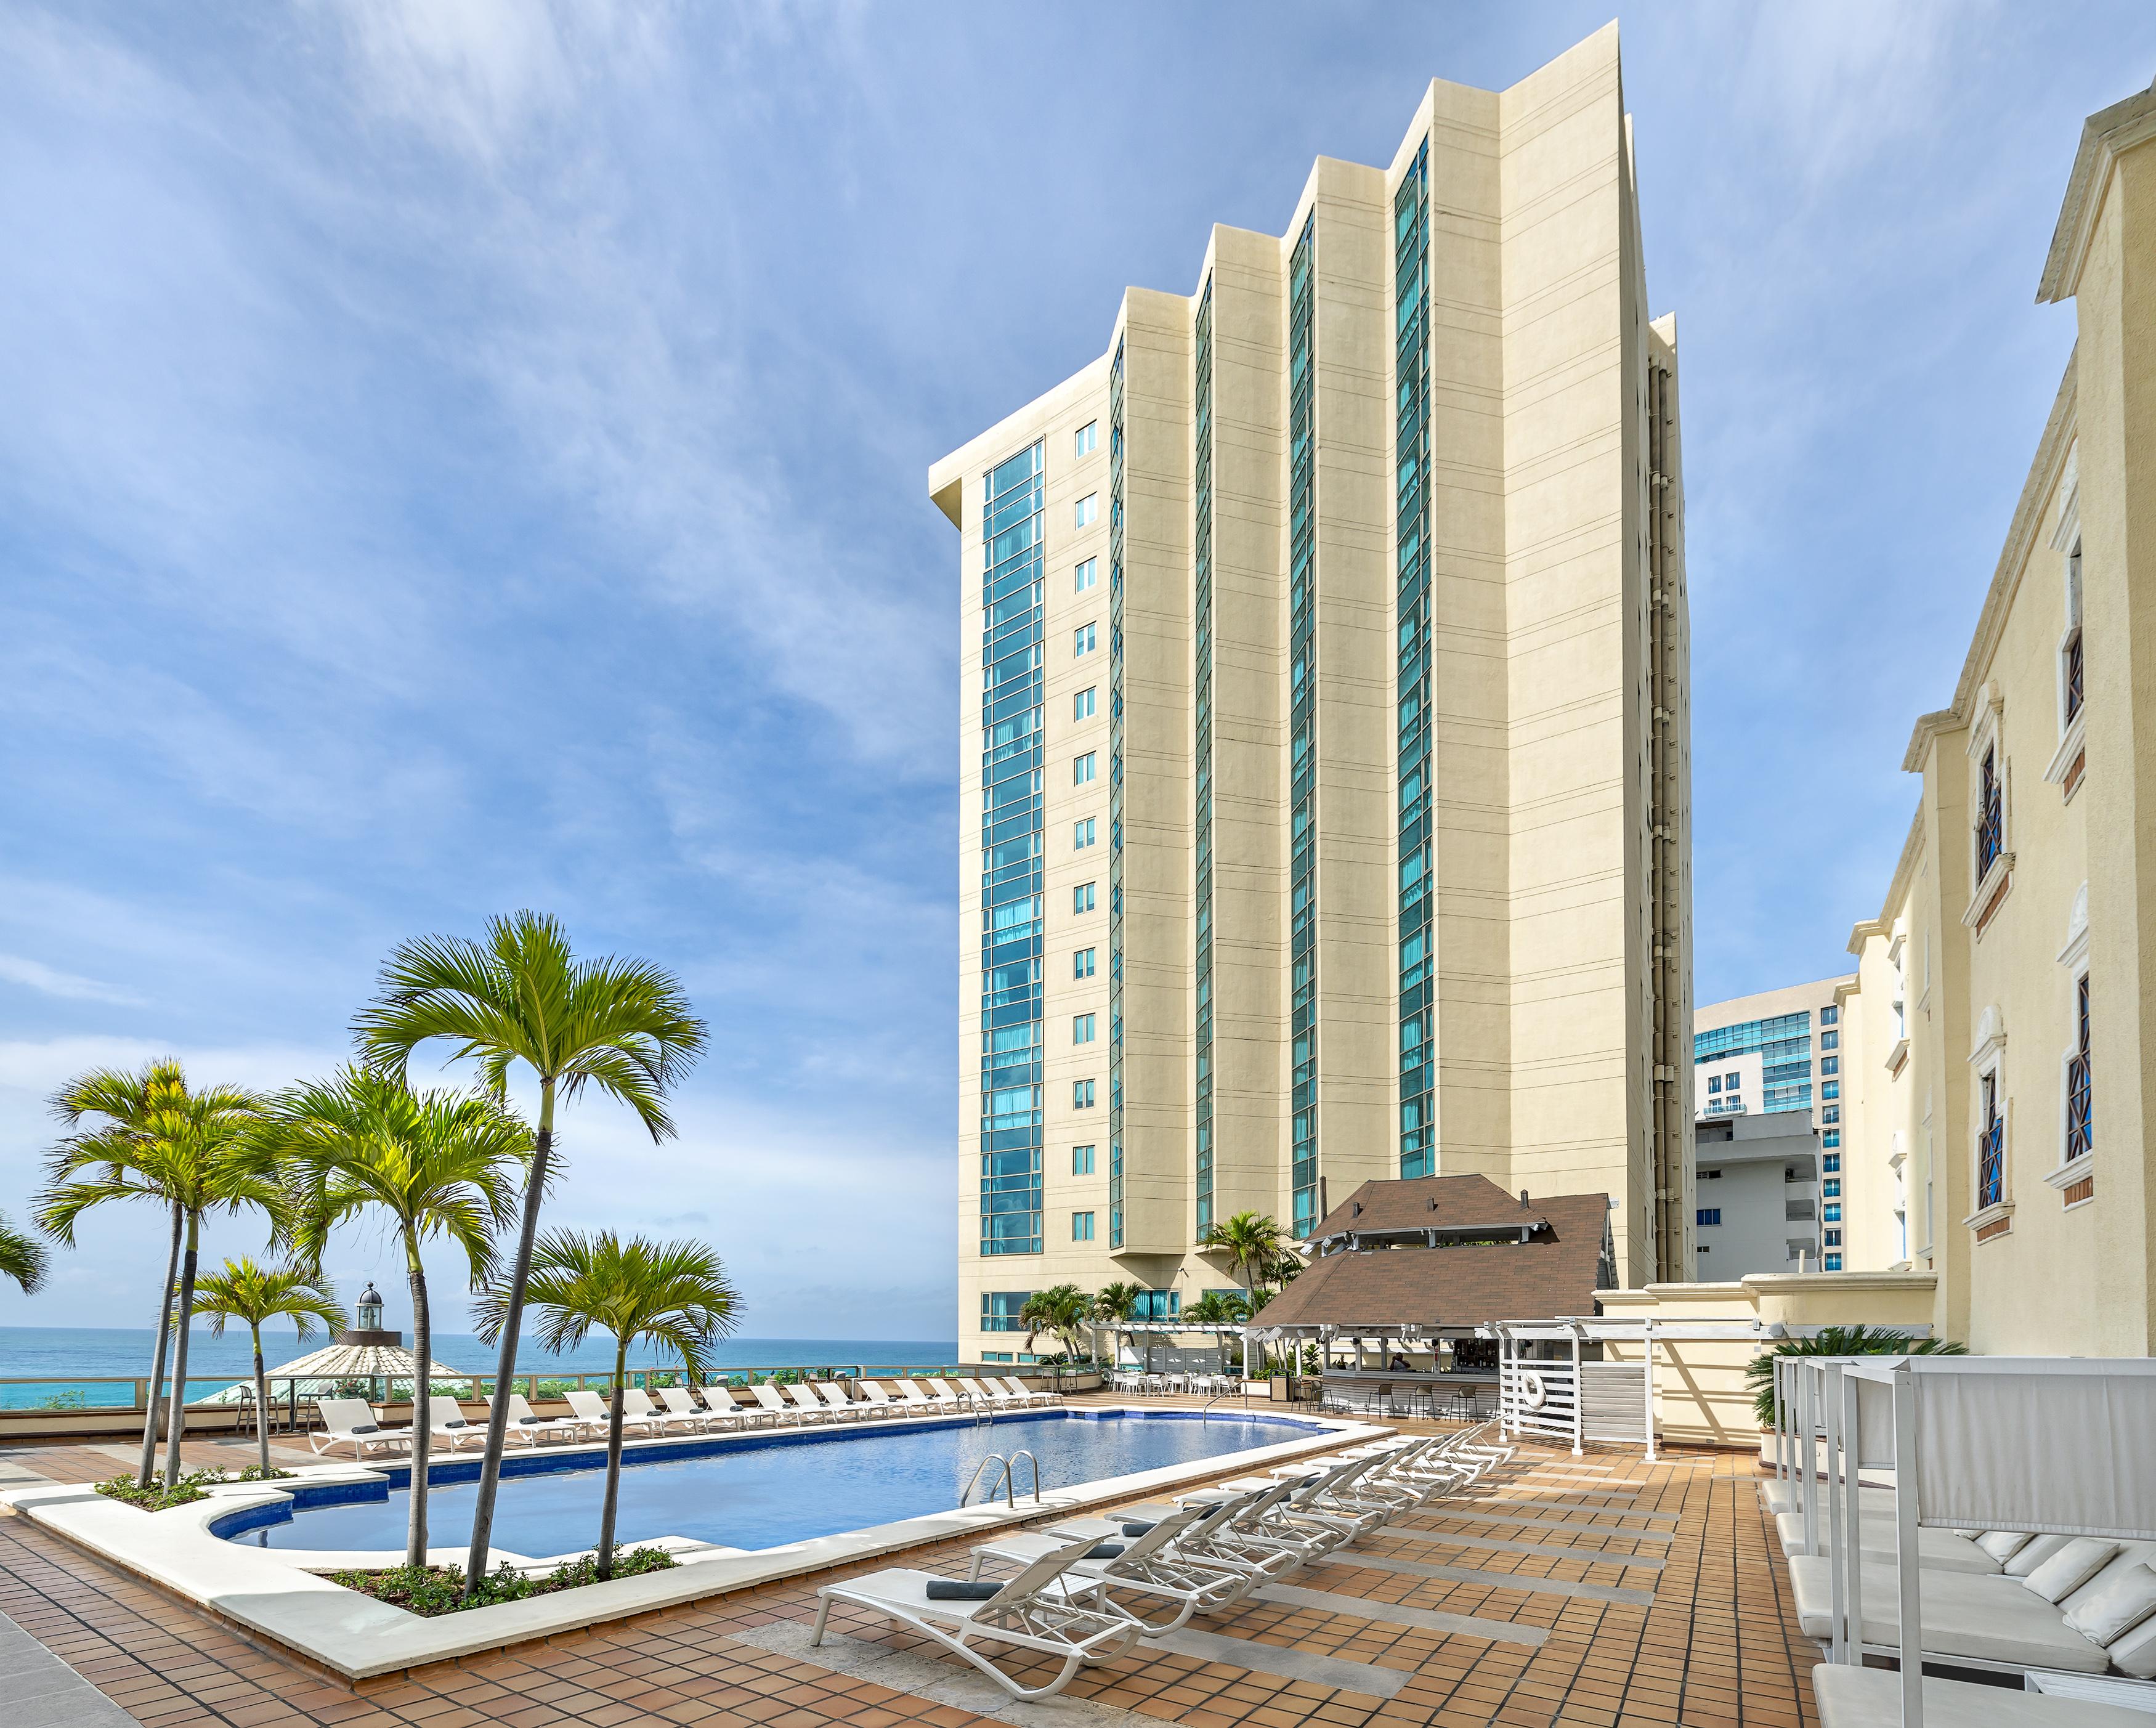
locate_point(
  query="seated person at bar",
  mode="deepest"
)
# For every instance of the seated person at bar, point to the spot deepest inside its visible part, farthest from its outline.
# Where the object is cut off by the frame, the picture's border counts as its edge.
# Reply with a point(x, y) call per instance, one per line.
point(1399, 1364)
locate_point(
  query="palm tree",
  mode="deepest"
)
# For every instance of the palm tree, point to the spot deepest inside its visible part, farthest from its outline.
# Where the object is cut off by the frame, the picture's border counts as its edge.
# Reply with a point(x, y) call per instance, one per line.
point(150, 1137)
point(244, 1291)
point(1252, 1242)
point(1115, 1304)
point(674, 1294)
point(1062, 1310)
point(1216, 1313)
point(520, 997)
point(1858, 1340)
point(439, 1163)
point(21, 1256)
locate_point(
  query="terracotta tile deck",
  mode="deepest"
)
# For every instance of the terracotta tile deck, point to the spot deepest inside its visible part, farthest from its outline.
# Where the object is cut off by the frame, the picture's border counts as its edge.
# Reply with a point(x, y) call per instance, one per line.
point(1616, 1629)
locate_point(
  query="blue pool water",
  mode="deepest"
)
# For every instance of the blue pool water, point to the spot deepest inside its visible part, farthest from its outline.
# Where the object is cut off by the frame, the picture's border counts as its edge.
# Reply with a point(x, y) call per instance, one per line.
point(759, 1494)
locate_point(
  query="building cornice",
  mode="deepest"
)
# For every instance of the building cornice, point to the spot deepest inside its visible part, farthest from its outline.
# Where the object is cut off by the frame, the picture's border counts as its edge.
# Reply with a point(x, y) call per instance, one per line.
point(2044, 474)
point(2106, 136)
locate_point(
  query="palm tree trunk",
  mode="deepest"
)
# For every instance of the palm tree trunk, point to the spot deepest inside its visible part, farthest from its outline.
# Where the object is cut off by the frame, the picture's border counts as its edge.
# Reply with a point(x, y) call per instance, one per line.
point(261, 1396)
point(156, 1393)
point(423, 1361)
point(177, 1423)
point(613, 1462)
point(497, 1423)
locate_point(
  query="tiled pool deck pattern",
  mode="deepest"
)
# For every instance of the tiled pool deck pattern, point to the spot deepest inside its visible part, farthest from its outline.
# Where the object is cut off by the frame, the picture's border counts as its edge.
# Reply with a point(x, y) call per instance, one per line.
point(1597, 1591)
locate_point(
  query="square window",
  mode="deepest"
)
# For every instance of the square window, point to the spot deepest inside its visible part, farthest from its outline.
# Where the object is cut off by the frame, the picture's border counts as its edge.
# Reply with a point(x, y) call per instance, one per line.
point(1088, 440)
point(1830, 1115)
point(1829, 1065)
point(1085, 704)
point(1081, 1094)
point(1832, 1137)
point(1830, 1041)
point(1081, 1226)
point(1088, 507)
point(1714, 1083)
point(1081, 897)
point(1081, 768)
point(1082, 640)
point(1082, 964)
point(1834, 1238)
point(1082, 1160)
point(1081, 1028)
point(1081, 835)
point(1833, 1215)
point(1832, 1089)
point(1828, 1017)
point(1732, 1081)
point(1085, 575)
point(1830, 1163)
point(1834, 1263)
point(1832, 1188)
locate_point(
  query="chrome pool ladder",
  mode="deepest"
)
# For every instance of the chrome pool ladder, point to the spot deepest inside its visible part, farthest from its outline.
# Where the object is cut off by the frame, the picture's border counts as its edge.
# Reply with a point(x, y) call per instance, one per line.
point(1007, 1478)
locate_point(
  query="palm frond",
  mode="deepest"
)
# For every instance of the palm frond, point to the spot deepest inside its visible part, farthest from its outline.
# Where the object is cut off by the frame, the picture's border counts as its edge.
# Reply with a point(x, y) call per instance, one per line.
point(23, 1257)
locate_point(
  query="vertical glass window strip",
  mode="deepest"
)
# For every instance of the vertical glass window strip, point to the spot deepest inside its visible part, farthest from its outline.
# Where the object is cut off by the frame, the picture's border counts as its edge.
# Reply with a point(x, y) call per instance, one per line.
point(1201, 615)
point(1302, 724)
point(1114, 800)
point(1411, 440)
point(2080, 1090)
point(1011, 831)
point(1990, 818)
point(1991, 1149)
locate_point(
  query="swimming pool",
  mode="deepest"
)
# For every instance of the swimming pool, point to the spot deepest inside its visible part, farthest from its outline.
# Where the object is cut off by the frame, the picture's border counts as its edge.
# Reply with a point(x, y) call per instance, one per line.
point(755, 1491)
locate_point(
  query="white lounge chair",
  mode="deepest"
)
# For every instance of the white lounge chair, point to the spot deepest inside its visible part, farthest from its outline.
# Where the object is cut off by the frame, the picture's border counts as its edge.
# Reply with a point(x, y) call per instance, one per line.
point(350, 1421)
point(943, 1389)
point(593, 1409)
point(776, 1407)
point(524, 1424)
point(1019, 1389)
point(636, 1405)
point(1147, 1565)
point(812, 1408)
point(876, 1402)
point(841, 1408)
point(1038, 1610)
point(720, 1401)
point(683, 1410)
point(916, 1402)
point(446, 1421)
point(992, 1394)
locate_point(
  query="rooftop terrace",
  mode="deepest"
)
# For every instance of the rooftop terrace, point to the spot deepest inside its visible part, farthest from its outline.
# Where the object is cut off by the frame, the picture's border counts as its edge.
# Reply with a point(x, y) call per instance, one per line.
point(1592, 1591)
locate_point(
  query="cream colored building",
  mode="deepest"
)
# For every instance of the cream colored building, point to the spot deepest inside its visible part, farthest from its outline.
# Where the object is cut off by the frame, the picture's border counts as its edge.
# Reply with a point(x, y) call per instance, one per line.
point(2005, 1016)
point(1324, 725)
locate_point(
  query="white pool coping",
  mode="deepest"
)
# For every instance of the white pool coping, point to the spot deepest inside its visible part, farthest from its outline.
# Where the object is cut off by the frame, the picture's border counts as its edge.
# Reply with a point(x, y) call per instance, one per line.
point(273, 1593)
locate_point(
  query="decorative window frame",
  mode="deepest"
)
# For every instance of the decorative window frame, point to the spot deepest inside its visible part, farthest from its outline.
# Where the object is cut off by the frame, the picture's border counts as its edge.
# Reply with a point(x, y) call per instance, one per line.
point(1988, 1061)
point(1992, 885)
point(2073, 1172)
point(2066, 765)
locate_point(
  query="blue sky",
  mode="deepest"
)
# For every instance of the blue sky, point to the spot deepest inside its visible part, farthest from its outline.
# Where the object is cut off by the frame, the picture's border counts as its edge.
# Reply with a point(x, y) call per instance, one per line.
point(461, 456)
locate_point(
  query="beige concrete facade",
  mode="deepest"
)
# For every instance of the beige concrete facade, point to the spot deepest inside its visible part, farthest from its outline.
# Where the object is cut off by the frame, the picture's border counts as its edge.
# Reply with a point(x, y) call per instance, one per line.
point(1970, 979)
point(1554, 855)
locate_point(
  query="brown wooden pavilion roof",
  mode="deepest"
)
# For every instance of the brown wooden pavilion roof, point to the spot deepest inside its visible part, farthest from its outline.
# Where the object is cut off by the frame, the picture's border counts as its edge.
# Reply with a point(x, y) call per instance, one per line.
point(1456, 1286)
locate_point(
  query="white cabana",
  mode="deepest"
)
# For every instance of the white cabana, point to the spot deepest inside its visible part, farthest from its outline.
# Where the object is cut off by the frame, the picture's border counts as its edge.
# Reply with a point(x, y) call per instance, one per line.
point(2054, 1446)
point(325, 1370)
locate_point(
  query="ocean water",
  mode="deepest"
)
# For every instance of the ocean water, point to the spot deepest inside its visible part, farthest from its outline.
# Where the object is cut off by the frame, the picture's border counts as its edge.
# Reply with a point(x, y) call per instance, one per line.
point(760, 1493)
point(60, 1361)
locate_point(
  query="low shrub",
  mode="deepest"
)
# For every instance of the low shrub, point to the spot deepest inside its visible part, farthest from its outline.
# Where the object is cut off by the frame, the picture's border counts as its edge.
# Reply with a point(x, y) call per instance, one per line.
point(194, 1485)
point(428, 1591)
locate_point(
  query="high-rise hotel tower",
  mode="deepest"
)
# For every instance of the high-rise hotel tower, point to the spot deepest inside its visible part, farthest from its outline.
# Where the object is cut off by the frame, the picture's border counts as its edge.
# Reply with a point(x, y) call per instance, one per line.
point(1325, 727)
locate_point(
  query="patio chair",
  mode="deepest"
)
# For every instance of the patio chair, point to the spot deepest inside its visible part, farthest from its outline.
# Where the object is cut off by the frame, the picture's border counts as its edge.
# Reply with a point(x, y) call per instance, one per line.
point(1037, 1610)
point(350, 1421)
point(636, 1405)
point(1019, 1389)
point(966, 1400)
point(531, 1429)
point(777, 1408)
point(840, 1407)
point(911, 1401)
point(719, 1400)
point(1145, 1565)
point(594, 1409)
point(993, 1394)
point(446, 1420)
point(682, 1407)
point(812, 1408)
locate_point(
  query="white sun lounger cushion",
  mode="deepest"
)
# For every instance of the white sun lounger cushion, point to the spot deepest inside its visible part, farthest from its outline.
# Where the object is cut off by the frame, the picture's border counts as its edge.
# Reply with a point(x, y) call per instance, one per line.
point(2136, 1652)
point(2072, 1566)
point(2003, 1545)
point(1937, 1551)
point(2105, 1614)
point(1989, 1619)
point(2034, 1553)
point(1872, 1698)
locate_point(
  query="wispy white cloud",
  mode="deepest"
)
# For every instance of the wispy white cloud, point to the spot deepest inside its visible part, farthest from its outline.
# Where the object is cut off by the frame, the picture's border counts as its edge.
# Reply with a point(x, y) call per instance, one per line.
point(47, 980)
